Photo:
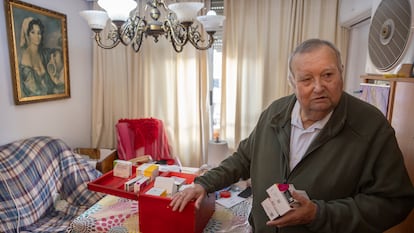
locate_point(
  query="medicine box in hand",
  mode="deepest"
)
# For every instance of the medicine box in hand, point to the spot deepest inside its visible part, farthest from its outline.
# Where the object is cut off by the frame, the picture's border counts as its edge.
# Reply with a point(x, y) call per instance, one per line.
point(280, 198)
point(269, 208)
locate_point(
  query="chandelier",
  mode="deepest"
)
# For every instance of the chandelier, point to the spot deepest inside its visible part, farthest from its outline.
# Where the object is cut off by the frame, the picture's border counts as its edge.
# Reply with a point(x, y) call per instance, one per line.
point(179, 25)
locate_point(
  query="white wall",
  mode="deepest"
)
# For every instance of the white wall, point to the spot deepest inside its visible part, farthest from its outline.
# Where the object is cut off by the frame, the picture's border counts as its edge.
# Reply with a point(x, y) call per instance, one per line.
point(68, 119)
point(357, 56)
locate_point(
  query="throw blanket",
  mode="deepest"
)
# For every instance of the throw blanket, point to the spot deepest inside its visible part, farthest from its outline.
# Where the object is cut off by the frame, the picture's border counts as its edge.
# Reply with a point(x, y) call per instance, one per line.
point(43, 185)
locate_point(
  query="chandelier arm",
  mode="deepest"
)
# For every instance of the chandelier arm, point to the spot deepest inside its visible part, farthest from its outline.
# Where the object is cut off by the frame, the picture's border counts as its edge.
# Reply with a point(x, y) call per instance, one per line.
point(137, 41)
point(176, 32)
point(129, 30)
point(195, 38)
point(163, 4)
point(178, 48)
point(104, 46)
point(136, 31)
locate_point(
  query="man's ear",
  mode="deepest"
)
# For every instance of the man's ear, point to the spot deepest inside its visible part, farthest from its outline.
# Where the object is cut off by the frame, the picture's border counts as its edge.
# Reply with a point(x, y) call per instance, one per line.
point(291, 82)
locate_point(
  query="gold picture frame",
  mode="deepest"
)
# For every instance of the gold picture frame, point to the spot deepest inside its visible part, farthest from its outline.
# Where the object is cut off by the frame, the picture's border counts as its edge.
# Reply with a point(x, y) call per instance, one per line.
point(38, 50)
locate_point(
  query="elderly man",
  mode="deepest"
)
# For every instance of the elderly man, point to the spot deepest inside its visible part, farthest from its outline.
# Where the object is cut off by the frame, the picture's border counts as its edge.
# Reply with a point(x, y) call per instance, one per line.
point(339, 149)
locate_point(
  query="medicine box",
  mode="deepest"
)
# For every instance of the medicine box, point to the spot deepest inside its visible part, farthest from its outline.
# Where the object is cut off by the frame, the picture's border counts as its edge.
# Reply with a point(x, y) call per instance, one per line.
point(156, 215)
point(269, 208)
point(122, 168)
point(140, 184)
point(158, 192)
point(113, 185)
point(167, 183)
point(280, 197)
point(129, 185)
point(149, 170)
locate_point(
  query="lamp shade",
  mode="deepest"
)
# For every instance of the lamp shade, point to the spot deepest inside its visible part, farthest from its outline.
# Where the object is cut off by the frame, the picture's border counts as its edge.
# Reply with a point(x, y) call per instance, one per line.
point(96, 19)
point(118, 10)
point(186, 11)
point(211, 21)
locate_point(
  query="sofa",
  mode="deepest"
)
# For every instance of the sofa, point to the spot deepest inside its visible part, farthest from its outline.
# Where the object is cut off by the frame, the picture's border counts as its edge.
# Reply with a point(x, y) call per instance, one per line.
point(43, 185)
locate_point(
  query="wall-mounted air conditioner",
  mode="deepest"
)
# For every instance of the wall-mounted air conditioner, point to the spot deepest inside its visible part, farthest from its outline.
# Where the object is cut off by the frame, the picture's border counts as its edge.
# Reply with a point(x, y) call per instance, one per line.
point(390, 40)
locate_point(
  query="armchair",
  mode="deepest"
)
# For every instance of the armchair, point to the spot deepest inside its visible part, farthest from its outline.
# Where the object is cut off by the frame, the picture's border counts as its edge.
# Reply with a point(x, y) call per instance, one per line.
point(143, 136)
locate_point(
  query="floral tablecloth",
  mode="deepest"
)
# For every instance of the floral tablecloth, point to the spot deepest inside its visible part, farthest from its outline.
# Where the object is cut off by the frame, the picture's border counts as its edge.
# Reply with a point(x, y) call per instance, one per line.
point(119, 215)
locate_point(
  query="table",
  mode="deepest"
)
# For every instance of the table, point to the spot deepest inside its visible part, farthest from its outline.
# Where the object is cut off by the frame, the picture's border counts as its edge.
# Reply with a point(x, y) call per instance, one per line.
point(119, 215)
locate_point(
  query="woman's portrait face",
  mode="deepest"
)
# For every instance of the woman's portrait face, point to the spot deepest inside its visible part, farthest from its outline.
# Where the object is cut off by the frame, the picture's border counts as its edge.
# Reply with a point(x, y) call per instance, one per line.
point(35, 35)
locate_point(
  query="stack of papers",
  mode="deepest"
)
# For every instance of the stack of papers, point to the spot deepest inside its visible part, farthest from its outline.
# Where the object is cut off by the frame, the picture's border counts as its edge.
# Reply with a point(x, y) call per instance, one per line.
point(230, 201)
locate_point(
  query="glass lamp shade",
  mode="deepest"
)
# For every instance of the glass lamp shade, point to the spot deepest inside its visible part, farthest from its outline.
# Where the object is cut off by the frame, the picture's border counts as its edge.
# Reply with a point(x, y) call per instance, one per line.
point(96, 19)
point(118, 10)
point(186, 11)
point(211, 21)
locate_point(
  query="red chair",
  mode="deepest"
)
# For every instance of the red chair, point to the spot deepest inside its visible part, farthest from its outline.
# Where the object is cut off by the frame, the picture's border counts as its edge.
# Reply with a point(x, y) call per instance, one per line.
point(144, 136)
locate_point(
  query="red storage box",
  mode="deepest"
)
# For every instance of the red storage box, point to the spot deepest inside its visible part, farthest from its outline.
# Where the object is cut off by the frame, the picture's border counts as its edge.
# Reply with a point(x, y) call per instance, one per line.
point(156, 215)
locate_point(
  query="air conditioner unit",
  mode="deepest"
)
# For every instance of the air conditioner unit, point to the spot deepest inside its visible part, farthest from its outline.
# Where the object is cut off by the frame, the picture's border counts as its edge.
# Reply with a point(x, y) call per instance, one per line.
point(352, 12)
point(390, 39)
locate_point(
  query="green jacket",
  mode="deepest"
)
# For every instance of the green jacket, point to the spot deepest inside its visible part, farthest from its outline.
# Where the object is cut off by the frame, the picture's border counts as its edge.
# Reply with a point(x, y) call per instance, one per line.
point(354, 170)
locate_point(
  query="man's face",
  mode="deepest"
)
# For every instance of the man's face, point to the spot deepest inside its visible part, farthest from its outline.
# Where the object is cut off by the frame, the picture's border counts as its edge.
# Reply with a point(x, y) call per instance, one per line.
point(317, 81)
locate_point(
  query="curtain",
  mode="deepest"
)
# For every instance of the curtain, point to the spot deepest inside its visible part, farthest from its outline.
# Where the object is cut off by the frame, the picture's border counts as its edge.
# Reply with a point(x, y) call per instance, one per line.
point(158, 82)
point(155, 82)
point(259, 37)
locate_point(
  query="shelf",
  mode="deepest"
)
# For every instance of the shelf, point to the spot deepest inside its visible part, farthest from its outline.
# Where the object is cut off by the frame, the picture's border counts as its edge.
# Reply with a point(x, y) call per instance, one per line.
point(383, 78)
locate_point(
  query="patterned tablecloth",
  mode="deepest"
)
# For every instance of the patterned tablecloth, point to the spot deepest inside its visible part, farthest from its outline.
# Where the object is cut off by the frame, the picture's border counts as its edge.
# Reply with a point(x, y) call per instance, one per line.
point(119, 215)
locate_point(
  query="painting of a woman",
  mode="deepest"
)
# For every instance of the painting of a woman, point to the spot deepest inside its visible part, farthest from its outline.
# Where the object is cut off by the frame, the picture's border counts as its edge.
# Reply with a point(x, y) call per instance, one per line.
point(34, 76)
point(38, 52)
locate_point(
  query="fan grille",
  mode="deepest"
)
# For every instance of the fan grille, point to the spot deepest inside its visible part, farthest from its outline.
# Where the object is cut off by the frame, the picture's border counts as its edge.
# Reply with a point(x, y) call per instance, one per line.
point(389, 33)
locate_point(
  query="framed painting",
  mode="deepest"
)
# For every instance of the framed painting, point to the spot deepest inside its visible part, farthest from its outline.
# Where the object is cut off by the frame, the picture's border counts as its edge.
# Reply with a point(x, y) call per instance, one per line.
point(38, 50)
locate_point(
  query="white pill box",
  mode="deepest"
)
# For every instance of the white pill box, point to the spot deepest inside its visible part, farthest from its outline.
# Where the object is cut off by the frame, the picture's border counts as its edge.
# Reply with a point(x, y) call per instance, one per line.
point(160, 192)
point(148, 170)
point(269, 208)
point(141, 183)
point(122, 168)
point(280, 200)
point(167, 183)
point(129, 185)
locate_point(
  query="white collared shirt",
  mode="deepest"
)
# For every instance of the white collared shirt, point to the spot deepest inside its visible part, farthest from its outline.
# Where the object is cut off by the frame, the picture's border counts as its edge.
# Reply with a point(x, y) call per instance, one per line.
point(301, 138)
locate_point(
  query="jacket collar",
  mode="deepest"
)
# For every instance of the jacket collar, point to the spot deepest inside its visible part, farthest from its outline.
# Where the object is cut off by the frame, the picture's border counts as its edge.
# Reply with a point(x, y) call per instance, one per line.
point(282, 116)
point(280, 122)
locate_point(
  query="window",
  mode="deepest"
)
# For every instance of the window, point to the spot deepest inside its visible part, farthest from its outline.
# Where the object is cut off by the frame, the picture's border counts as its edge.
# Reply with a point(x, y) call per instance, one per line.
point(215, 71)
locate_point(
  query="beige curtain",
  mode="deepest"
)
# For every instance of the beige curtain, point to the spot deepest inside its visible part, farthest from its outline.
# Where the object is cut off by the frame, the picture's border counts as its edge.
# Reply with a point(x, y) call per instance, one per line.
point(259, 37)
point(157, 82)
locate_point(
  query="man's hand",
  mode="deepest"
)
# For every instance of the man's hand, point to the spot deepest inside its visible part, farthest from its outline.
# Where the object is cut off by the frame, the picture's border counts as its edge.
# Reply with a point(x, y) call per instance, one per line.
point(180, 199)
point(303, 212)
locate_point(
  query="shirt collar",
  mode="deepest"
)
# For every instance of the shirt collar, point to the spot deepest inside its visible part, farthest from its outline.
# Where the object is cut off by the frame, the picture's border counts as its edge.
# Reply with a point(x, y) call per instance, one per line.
point(296, 121)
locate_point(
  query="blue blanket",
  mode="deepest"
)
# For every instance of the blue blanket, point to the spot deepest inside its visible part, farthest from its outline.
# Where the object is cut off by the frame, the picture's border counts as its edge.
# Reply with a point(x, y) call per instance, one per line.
point(43, 185)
